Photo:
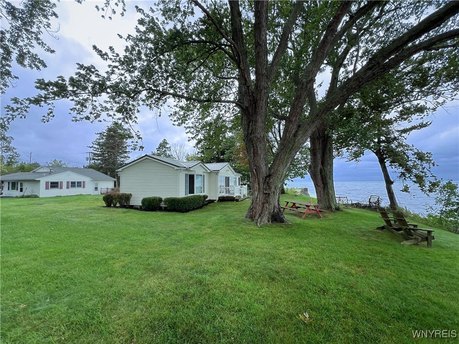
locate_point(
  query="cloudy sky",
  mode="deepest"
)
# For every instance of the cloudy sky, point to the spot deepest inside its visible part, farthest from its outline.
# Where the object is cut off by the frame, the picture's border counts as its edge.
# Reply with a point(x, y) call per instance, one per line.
point(80, 26)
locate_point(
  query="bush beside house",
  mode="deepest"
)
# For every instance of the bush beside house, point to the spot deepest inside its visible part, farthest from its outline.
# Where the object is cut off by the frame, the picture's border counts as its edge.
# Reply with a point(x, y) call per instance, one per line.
point(185, 204)
point(117, 198)
point(179, 204)
point(151, 203)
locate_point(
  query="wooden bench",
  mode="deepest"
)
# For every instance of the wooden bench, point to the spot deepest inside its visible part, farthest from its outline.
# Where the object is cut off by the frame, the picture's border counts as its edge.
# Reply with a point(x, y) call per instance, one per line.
point(302, 208)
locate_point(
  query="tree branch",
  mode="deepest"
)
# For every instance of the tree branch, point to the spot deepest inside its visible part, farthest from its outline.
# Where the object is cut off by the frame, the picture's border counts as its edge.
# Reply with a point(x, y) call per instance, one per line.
point(327, 41)
point(214, 22)
point(261, 49)
point(220, 46)
point(239, 44)
point(362, 11)
point(163, 93)
point(283, 41)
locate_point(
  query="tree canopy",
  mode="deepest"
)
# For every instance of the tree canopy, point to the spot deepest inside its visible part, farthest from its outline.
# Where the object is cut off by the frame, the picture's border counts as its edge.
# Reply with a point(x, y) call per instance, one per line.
point(210, 59)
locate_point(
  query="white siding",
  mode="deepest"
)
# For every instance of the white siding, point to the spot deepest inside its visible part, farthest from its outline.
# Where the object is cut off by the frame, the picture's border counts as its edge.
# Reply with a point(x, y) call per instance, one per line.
point(233, 189)
point(195, 170)
point(149, 178)
point(68, 176)
point(28, 188)
point(213, 185)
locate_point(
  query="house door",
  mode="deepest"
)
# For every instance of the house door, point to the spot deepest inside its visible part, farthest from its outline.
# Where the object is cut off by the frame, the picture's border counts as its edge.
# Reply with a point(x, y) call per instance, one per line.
point(21, 187)
point(227, 182)
point(189, 184)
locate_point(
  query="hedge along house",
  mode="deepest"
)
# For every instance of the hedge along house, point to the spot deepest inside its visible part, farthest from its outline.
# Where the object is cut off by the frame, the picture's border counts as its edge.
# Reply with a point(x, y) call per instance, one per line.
point(152, 175)
point(56, 181)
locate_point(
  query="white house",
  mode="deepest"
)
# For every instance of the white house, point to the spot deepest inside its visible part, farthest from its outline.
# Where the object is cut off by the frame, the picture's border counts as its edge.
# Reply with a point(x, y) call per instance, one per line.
point(152, 175)
point(56, 181)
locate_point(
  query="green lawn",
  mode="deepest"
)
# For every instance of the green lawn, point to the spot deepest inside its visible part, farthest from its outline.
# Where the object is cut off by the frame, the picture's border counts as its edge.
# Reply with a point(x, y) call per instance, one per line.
point(74, 271)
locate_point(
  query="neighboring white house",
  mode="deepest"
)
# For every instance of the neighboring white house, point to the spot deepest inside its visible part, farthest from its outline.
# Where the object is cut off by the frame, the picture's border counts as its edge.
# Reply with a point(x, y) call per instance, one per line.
point(56, 181)
point(152, 175)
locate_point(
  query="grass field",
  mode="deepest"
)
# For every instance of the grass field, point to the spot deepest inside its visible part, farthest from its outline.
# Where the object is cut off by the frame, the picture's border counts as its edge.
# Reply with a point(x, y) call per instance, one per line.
point(74, 271)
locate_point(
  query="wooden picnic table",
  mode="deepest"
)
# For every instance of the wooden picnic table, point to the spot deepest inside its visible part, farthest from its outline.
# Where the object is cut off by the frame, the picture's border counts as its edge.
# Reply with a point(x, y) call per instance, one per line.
point(302, 208)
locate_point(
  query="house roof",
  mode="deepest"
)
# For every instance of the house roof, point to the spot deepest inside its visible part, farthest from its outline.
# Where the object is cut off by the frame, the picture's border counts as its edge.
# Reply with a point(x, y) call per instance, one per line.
point(168, 161)
point(87, 172)
point(179, 164)
point(23, 176)
point(216, 166)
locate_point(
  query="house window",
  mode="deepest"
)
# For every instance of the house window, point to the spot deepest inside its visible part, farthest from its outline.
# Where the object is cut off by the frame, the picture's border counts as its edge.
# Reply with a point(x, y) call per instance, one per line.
point(194, 184)
point(75, 184)
point(54, 185)
point(13, 186)
point(199, 183)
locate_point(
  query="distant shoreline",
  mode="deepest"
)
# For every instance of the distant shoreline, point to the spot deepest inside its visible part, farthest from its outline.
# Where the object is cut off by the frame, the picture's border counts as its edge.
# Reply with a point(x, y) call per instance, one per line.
point(360, 191)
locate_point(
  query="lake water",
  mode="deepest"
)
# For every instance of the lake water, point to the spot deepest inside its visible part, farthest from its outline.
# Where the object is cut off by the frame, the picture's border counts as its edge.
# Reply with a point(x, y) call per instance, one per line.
point(360, 191)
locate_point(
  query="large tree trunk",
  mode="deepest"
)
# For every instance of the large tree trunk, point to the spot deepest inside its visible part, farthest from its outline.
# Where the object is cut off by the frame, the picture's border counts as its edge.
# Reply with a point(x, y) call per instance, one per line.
point(266, 182)
point(321, 170)
point(387, 180)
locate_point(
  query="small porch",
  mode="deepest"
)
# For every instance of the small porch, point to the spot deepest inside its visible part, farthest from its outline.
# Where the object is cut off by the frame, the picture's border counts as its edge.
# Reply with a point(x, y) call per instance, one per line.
point(233, 190)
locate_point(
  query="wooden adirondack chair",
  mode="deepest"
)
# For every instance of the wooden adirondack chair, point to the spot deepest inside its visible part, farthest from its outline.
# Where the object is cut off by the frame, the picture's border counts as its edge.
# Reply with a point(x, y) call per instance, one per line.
point(412, 231)
point(388, 221)
point(399, 225)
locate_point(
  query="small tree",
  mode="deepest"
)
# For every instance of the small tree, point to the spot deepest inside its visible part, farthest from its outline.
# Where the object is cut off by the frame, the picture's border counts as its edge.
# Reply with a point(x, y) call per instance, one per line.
point(381, 116)
point(163, 149)
point(9, 156)
point(110, 150)
point(179, 151)
point(448, 200)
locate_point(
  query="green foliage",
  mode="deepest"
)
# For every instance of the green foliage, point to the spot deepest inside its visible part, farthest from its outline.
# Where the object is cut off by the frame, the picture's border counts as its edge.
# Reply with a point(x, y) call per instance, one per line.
point(20, 167)
point(56, 163)
point(109, 200)
point(185, 204)
point(23, 24)
point(122, 199)
point(113, 199)
point(110, 150)
point(151, 203)
point(381, 116)
point(9, 156)
point(448, 201)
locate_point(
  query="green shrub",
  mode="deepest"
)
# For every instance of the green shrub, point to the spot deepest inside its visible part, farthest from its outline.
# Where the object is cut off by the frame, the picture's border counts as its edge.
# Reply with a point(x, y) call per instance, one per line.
point(108, 200)
point(184, 204)
point(151, 203)
point(123, 199)
point(113, 198)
